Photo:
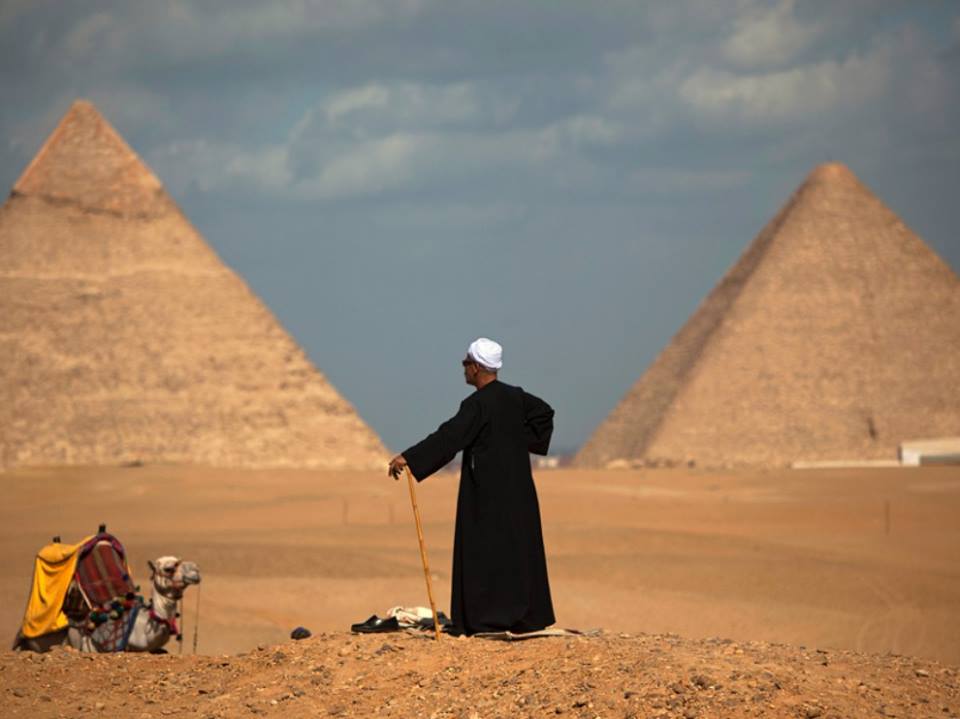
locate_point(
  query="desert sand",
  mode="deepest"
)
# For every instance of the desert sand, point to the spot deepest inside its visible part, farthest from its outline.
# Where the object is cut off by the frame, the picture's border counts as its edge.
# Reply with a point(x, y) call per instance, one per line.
point(399, 675)
point(860, 564)
point(801, 557)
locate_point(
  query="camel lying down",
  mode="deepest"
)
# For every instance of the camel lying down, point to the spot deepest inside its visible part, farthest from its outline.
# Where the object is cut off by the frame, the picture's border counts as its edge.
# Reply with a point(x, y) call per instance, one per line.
point(154, 622)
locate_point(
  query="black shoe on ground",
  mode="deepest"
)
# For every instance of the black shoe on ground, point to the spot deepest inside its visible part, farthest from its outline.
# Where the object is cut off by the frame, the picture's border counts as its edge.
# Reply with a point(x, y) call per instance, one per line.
point(375, 625)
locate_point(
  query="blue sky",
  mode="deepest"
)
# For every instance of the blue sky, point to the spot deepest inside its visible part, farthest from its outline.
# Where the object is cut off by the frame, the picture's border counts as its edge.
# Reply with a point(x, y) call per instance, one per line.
point(397, 177)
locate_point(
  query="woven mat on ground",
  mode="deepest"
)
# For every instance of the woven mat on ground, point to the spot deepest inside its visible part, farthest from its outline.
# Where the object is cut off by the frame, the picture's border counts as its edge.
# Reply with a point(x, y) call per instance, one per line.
point(552, 632)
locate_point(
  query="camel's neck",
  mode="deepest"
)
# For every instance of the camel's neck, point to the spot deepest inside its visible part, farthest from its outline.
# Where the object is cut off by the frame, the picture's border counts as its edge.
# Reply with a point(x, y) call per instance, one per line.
point(153, 628)
point(163, 607)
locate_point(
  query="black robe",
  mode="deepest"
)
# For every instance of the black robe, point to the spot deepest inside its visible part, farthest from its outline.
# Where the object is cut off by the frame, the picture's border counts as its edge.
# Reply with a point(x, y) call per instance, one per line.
point(499, 568)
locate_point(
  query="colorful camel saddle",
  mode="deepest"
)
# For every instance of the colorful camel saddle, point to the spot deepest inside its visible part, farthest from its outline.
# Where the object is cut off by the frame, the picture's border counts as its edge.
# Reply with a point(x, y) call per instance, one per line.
point(102, 573)
point(86, 584)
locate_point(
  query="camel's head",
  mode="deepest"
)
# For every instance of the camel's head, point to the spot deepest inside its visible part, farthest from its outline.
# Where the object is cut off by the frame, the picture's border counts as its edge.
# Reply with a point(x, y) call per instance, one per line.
point(171, 577)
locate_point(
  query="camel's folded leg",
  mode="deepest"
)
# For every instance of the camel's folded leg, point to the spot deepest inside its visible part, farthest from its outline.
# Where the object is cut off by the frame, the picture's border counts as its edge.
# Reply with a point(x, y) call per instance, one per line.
point(80, 641)
point(41, 644)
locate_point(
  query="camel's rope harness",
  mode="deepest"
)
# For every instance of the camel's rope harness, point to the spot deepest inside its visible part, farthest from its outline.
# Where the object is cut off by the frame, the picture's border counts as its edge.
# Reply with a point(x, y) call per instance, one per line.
point(196, 622)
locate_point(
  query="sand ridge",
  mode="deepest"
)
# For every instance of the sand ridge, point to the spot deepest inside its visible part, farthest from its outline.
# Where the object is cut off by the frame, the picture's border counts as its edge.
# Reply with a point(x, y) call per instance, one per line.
point(783, 556)
point(403, 675)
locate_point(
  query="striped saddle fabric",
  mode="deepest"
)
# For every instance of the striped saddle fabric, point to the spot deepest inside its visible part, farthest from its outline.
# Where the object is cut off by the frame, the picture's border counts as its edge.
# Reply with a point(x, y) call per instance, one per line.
point(102, 572)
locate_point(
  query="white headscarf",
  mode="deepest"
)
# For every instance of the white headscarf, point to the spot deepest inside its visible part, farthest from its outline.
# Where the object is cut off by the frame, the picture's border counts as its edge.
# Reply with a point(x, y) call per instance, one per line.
point(486, 353)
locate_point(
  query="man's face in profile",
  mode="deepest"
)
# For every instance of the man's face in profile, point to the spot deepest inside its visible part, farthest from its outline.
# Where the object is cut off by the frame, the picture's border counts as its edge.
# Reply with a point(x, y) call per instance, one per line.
point(469, 370)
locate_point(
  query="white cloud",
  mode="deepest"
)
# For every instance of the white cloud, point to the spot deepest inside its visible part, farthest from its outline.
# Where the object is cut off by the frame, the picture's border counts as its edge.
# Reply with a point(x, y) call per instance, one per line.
point(331, 167)
point(383, 137)
point(194, 30)
point(801, 91)
point(368, 168)
point(410, 161)
point(585, 131)
point(451, 214)
point(403, 161)
point(380, 138)
point(641, 87)
point(682, 16)
point(209, 166)
point(267, 167)
point(765, 36)
point(374, 139)
point(369, 97)
point(413, 105)
point(259, 21)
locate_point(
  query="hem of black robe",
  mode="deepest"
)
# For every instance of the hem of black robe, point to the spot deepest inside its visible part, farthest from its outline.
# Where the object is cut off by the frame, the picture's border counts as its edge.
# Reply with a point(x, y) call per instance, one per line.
point(521, 628)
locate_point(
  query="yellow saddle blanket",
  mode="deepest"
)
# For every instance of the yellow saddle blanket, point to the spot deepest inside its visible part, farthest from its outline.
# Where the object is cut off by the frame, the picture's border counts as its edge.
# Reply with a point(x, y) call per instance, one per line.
point(53, 571)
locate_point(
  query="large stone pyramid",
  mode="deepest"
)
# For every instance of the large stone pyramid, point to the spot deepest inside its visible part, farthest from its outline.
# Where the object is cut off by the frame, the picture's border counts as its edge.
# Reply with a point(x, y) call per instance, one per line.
point(124, 338)
point(835, 336)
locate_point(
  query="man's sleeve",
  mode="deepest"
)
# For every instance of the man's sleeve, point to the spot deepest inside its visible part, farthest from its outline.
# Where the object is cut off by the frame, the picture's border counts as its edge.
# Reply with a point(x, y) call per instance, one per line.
point(438, 449)
point(538, 423)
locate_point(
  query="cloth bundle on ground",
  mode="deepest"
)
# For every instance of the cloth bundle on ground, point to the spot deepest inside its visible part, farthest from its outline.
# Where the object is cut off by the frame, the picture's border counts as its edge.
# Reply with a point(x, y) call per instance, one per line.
point(400, 618)
point(88, 582)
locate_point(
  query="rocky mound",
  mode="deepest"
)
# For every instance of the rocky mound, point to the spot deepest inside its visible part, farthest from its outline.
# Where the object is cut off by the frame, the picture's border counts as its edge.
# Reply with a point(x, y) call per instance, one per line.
point(404, 675)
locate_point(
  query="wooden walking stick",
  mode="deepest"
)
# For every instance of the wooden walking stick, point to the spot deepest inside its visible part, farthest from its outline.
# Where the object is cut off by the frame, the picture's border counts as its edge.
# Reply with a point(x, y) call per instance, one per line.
point(196, 621)
point(423, 551)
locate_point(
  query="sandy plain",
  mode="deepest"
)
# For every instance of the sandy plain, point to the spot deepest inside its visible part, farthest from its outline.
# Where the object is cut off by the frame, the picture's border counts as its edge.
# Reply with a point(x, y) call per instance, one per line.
point(857, 559)
point(748, 594)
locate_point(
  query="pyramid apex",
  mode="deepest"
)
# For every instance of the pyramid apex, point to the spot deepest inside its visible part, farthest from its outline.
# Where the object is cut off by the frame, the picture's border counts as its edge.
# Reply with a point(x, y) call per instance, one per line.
point(86, 161)
point(830, 172)
point(81, 113)
point(82, 103)
point(82, 106)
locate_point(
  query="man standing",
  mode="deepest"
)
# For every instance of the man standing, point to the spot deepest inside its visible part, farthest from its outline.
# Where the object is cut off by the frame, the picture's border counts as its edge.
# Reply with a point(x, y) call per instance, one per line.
point(499, 568)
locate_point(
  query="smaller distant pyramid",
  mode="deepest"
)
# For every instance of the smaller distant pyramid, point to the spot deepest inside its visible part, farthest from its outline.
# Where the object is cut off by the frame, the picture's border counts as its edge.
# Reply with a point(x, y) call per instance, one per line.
point(124, 338)
point(835, 336)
